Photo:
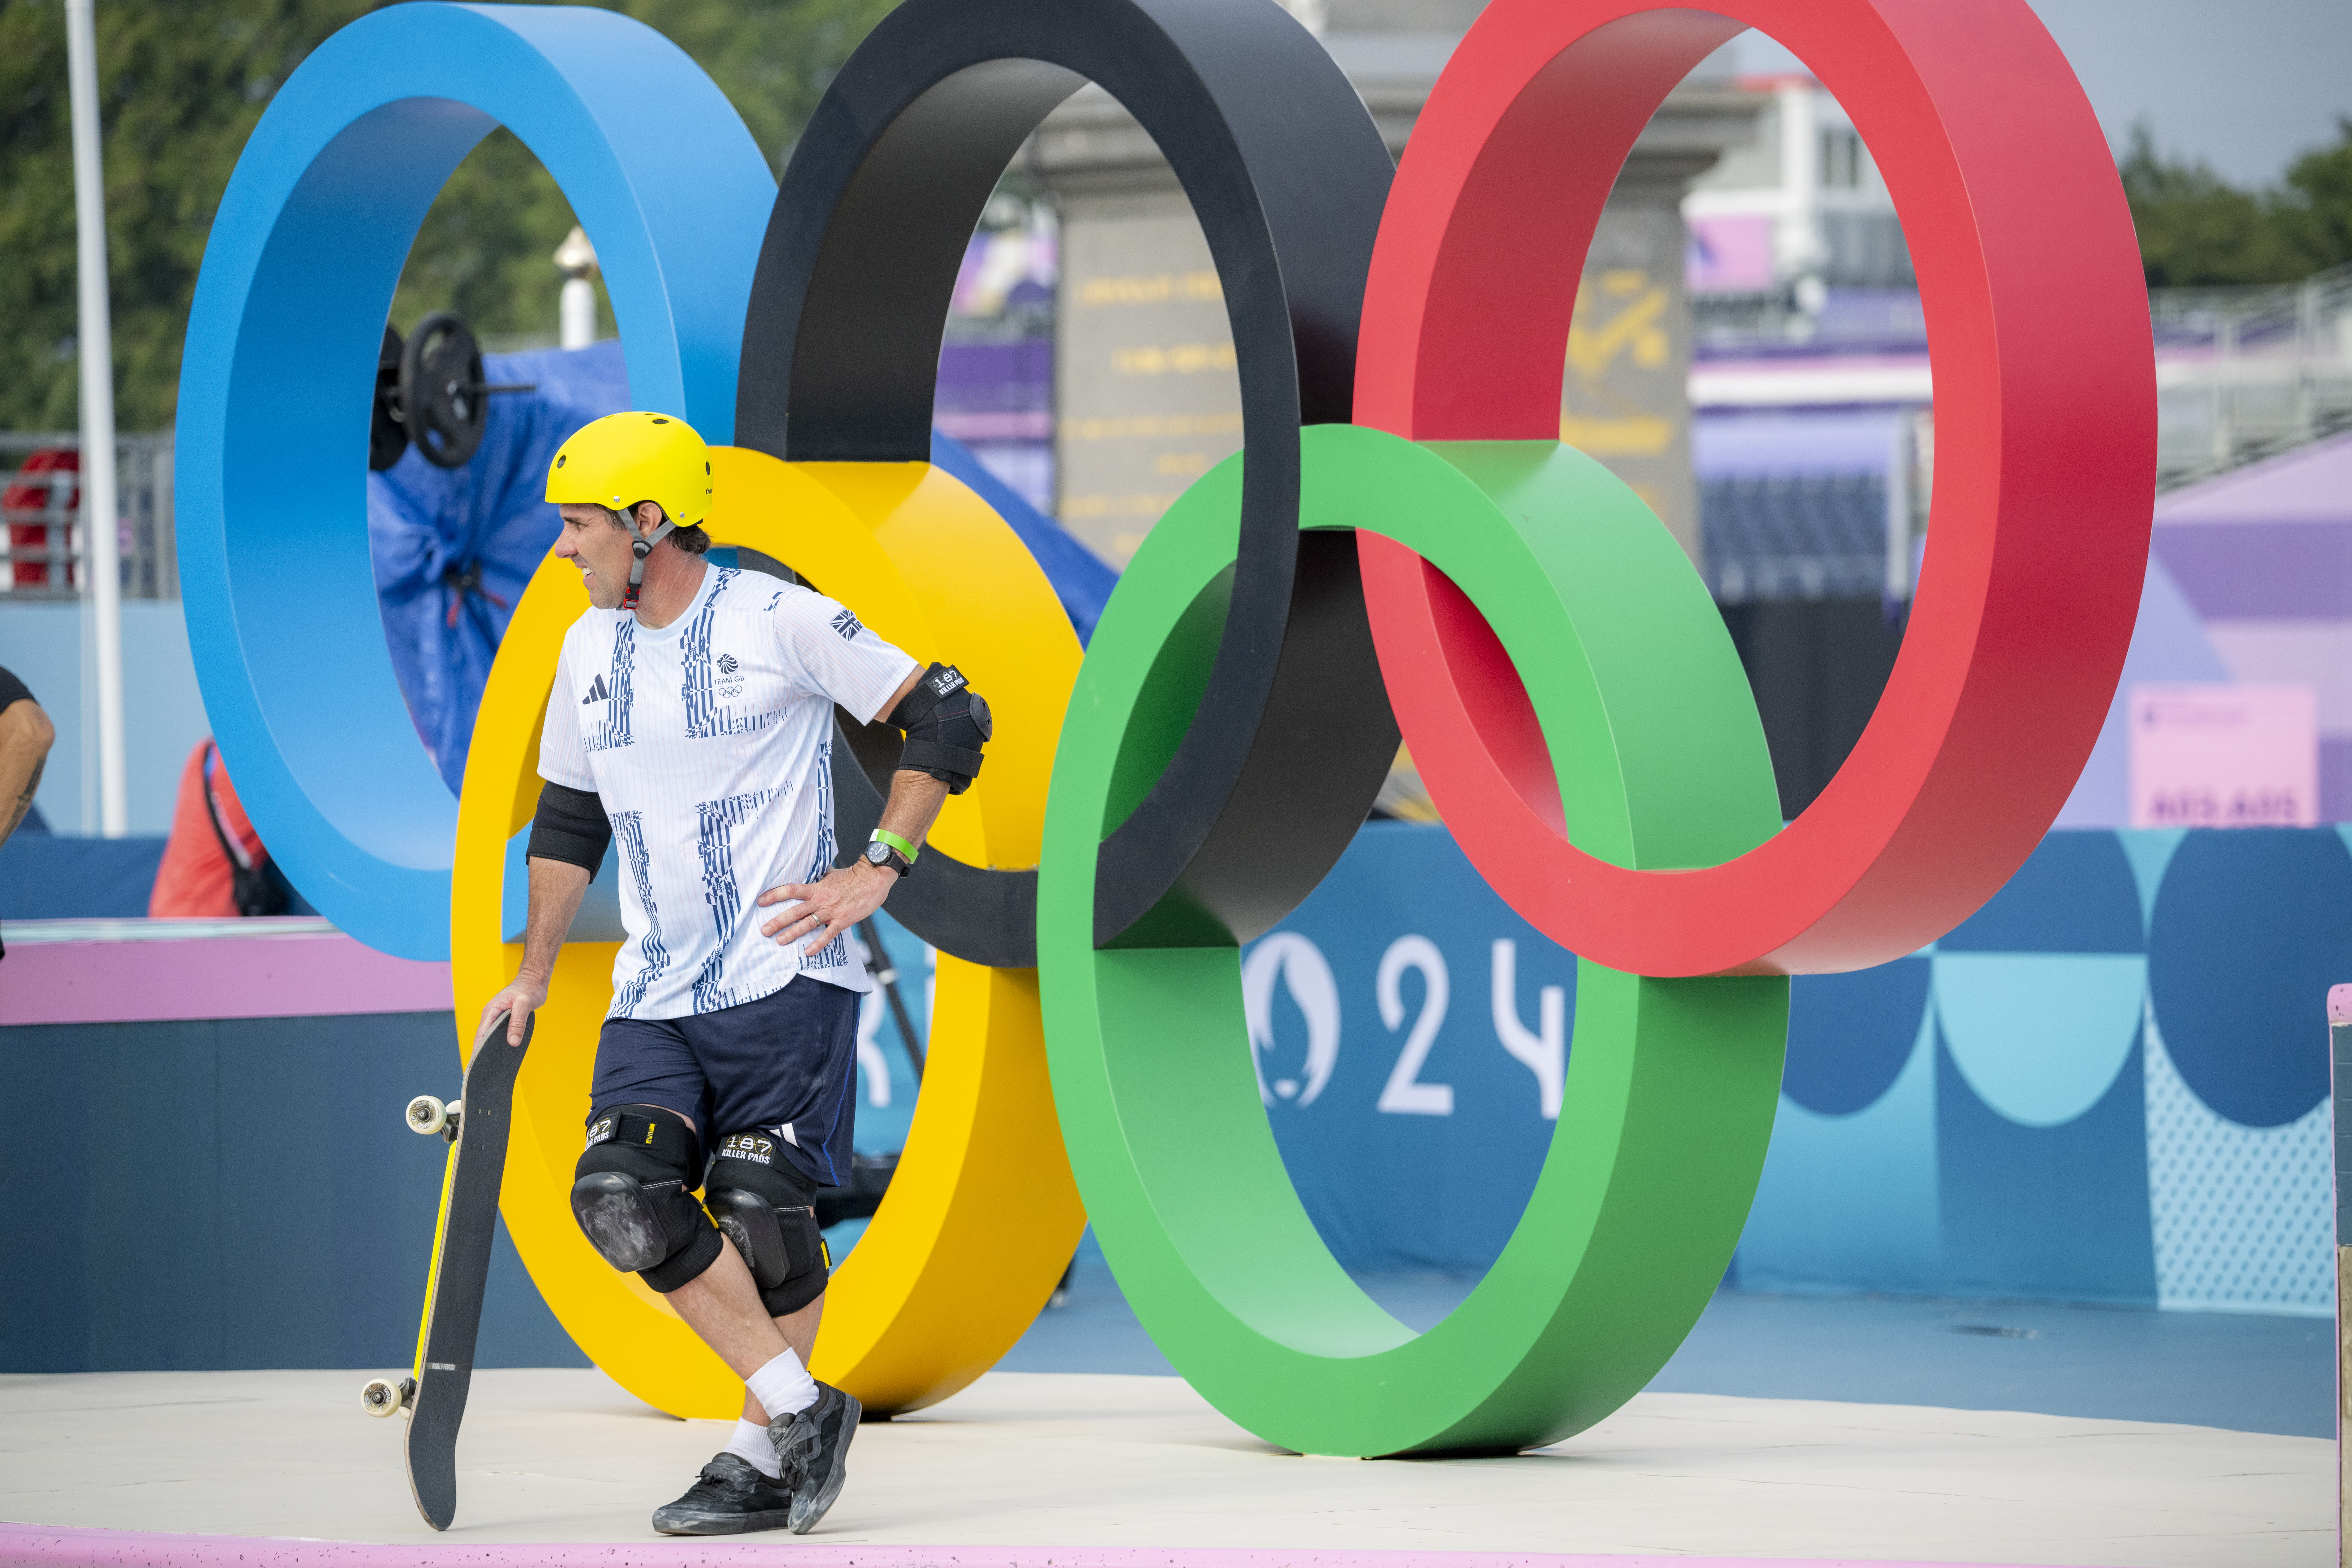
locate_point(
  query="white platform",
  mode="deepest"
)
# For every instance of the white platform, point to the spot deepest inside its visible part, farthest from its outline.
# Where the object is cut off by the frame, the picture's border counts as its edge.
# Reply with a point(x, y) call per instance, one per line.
point(1095, 1461)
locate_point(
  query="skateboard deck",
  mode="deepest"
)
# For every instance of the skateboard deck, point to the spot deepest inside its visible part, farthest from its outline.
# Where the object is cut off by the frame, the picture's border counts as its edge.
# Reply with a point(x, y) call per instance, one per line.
point(444, 1372)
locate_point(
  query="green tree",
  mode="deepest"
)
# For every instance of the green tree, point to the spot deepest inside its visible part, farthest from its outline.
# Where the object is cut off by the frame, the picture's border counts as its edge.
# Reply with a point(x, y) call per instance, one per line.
point(2315, 212)
point(181, 88)
point(2197, 230)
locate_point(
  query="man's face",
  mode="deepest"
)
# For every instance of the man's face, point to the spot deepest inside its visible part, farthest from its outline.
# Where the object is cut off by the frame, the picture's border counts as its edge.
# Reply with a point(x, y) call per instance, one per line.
point(592, 542)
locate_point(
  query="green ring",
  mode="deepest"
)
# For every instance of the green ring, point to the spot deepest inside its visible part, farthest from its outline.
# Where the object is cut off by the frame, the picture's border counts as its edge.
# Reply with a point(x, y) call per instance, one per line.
point(1670, 1086)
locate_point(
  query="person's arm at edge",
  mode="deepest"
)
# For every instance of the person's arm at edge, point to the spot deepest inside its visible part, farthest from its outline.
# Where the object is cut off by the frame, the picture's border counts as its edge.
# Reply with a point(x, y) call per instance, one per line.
point(25, 736)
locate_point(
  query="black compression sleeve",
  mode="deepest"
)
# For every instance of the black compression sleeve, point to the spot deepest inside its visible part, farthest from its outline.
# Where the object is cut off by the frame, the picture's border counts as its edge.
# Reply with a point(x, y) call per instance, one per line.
point(12, 691)
point(570, 827)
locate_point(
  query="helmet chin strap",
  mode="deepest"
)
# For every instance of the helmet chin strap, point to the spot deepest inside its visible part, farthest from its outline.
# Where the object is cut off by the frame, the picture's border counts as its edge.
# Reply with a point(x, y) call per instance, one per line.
point(642, 547)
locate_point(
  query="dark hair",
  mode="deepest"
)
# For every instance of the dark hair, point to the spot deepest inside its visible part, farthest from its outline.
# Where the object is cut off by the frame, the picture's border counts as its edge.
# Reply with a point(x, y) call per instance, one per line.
point(690, 539)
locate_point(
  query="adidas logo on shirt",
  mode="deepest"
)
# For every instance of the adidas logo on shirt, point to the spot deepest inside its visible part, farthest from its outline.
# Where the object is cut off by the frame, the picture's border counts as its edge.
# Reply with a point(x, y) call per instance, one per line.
point(597, 693)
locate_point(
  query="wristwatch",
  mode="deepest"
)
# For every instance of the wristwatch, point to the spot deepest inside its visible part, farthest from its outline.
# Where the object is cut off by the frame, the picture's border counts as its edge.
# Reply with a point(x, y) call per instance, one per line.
point(890, 850)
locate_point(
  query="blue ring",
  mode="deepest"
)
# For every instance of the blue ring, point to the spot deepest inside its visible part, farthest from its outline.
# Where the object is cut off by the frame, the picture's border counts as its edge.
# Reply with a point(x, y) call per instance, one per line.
point(274, 387)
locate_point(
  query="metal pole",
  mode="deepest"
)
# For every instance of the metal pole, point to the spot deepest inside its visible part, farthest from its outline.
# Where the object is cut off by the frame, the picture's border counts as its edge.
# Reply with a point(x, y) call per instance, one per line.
point(2307, 350)
point(576, 310)
point(1894, 590)
point(2225, 392)
point(103, 570)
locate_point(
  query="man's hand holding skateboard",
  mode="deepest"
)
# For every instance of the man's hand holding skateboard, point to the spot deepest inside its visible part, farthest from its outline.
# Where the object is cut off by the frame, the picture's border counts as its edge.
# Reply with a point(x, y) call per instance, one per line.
point(556, 890)
point(524, 995)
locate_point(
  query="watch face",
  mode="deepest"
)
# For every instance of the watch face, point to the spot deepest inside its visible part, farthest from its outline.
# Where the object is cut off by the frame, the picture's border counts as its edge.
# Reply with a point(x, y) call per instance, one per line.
point(877, 853)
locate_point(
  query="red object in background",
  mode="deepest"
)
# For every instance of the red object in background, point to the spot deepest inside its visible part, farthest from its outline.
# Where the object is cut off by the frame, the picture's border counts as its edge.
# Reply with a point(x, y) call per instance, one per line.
point(2045, 419)
point(21, 498)
point(195, 880)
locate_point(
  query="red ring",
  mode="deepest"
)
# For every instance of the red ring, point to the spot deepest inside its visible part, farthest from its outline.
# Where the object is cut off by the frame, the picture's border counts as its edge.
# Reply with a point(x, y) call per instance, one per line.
point(2045, 417)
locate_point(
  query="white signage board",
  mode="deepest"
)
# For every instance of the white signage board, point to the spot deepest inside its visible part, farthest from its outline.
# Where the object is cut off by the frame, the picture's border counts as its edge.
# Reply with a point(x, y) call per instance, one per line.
point(2224, 756)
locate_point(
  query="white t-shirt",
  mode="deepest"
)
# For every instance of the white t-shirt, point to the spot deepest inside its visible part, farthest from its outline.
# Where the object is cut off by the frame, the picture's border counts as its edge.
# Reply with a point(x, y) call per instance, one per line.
point(709, 742)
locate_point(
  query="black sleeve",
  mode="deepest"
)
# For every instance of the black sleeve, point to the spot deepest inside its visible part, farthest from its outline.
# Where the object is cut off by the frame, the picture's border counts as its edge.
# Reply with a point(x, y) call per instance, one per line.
point(12, 691)
point(570, 827)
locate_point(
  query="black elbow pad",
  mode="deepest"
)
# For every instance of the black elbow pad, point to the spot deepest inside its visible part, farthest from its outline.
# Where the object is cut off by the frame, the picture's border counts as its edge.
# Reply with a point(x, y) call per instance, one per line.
point(570, 827)
point(946, 722)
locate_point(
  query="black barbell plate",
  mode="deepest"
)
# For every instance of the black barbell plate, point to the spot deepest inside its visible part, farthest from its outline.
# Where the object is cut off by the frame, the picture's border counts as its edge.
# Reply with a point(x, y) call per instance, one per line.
point(387, 432)
point(438, 369)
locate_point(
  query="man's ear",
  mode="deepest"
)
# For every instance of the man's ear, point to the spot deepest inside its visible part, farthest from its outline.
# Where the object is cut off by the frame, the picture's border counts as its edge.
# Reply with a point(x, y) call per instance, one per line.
point(649, 516)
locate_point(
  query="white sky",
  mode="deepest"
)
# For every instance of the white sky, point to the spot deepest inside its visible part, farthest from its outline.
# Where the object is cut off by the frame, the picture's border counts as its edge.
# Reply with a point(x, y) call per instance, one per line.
point(2243, 84)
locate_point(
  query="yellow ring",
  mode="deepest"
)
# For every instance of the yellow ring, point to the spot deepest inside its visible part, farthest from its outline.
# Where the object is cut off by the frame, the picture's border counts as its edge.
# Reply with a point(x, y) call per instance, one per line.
point(983, 1215)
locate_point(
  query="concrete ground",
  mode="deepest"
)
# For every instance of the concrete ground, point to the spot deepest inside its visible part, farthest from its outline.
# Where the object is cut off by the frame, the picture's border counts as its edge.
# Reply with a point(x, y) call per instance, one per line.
point(1080, 1460)
point(1787, 1428)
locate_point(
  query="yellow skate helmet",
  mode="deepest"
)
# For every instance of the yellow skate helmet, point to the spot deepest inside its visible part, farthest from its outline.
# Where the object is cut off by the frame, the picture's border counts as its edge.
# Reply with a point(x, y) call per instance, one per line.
point(625, 459)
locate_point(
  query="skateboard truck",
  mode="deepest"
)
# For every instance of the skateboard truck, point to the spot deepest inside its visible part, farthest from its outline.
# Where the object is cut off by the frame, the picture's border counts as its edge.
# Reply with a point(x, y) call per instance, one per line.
point(381, 1397)
point(428, 1116)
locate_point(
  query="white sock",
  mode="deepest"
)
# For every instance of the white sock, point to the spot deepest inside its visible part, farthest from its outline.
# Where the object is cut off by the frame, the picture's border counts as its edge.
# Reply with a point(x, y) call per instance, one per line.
point(751, 1445)
point(782, 1386)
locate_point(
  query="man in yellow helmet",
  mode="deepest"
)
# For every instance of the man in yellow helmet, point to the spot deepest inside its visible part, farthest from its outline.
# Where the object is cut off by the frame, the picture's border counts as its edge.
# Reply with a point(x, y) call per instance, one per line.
point(691, 720)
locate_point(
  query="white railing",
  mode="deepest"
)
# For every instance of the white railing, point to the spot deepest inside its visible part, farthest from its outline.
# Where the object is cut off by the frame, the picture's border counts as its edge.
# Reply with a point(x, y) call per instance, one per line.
point(44, 537)
point(2244, 373)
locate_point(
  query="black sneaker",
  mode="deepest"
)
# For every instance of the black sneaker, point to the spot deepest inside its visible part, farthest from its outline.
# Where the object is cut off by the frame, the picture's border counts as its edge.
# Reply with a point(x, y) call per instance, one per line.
point(815, 1445)
point(729, 1497)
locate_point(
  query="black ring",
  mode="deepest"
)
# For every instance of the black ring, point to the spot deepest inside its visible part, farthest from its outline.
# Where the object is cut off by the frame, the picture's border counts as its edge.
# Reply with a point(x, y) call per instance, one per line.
point(1287, 175)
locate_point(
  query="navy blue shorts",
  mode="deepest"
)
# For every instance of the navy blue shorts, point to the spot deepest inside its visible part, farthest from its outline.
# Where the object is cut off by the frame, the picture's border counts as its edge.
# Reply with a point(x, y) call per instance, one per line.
point(785, 1063)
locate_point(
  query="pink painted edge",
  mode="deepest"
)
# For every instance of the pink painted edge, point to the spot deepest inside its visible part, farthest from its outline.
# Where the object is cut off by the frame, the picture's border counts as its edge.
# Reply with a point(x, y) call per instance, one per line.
point(316, 975)
point(2339, 1004)
point(80, 1548)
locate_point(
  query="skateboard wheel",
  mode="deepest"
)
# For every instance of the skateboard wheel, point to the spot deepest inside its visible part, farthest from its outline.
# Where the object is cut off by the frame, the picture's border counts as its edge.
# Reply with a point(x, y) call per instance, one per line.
point(381, 1397)
point(427, 1115)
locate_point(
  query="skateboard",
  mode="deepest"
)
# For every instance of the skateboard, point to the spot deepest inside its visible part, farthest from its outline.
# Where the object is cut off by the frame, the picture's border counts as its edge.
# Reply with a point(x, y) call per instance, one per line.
point(433, 1396)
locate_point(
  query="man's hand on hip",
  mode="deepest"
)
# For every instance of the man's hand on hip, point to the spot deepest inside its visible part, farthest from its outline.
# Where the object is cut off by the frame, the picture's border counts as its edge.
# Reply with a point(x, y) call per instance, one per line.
point(524, 995)
point(829, 908)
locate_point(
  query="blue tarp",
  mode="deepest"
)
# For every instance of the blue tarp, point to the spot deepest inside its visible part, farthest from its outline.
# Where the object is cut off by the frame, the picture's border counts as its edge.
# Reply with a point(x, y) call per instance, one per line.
point(455, 548)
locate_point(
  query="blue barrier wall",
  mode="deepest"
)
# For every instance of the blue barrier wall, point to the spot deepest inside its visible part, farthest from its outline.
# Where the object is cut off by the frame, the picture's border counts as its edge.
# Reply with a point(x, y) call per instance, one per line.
point(2107, 1086)
point(49, 877)
point(201, 1195)
point(189, 1196)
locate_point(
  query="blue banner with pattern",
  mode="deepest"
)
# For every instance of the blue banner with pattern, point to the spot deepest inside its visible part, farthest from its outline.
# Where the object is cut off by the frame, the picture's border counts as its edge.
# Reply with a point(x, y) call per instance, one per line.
point(2109, 1085)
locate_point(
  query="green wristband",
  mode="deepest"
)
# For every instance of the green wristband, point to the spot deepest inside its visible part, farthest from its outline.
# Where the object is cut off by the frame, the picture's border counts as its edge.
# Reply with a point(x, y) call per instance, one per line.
point(884, 836)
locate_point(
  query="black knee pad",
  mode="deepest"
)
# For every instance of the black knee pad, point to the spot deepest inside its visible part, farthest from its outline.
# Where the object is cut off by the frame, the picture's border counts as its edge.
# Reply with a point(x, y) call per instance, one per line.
point(769, 1211)
point(633, 1196)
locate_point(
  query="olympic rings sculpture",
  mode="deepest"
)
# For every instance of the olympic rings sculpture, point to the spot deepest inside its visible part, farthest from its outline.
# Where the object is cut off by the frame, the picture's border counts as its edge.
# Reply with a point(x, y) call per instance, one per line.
point(1401, 503)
